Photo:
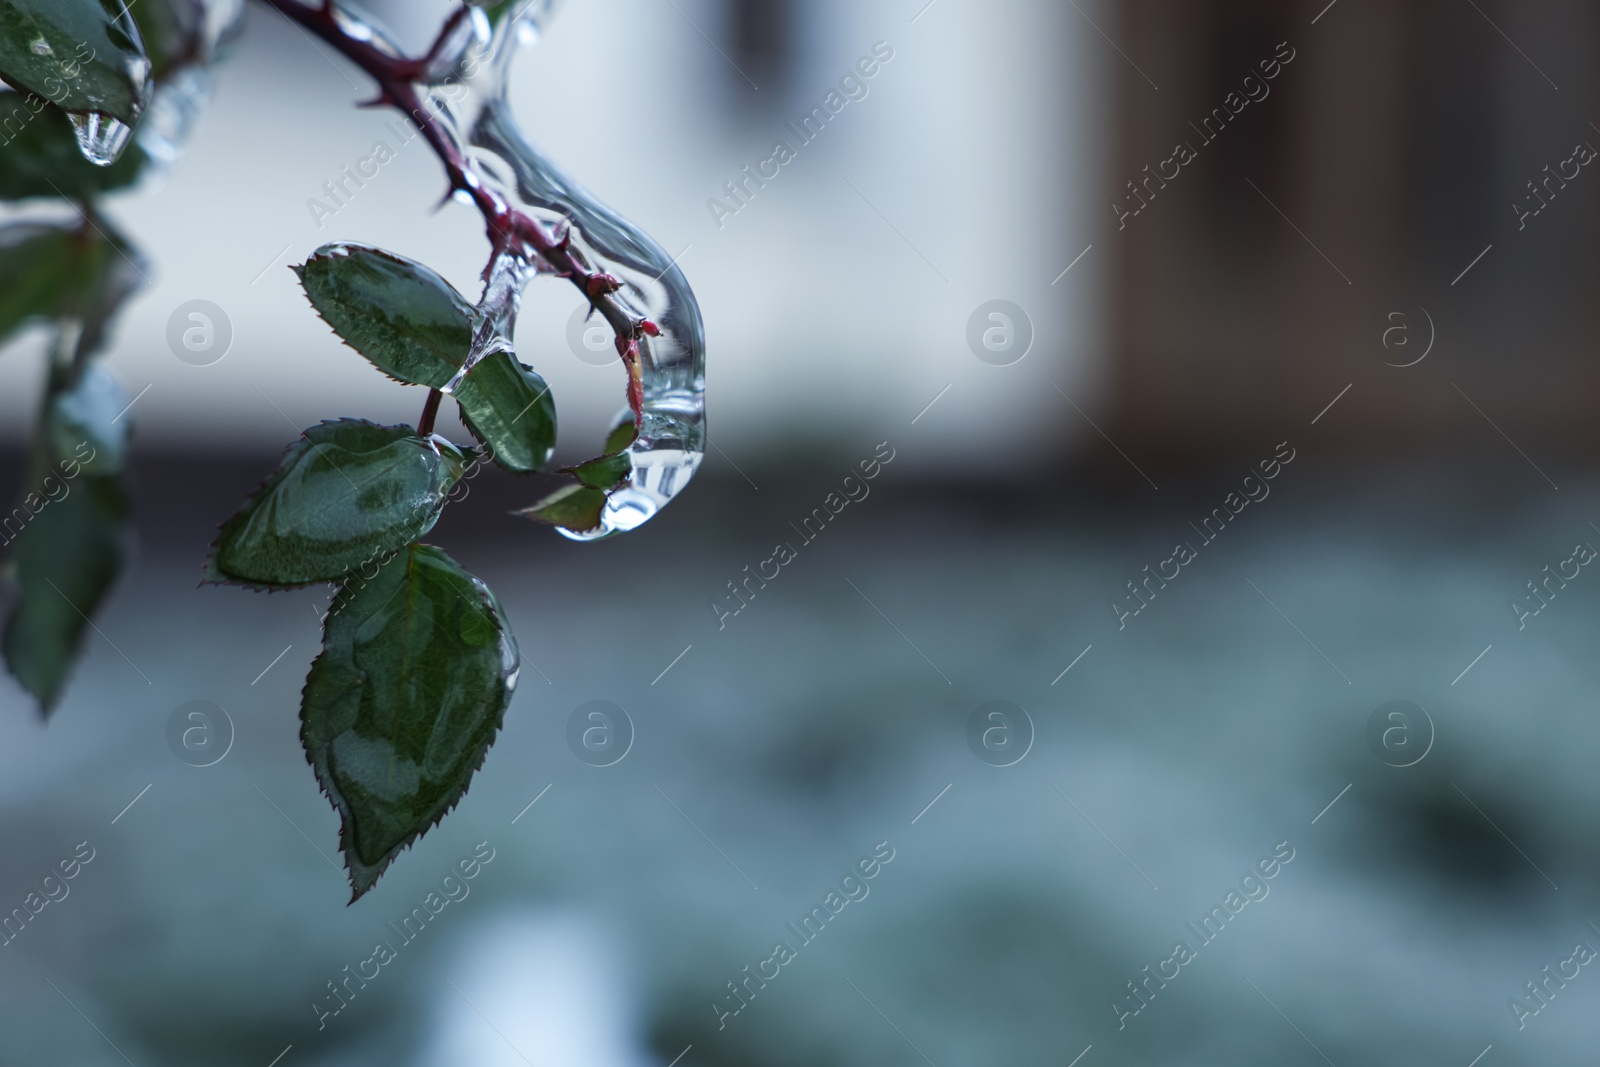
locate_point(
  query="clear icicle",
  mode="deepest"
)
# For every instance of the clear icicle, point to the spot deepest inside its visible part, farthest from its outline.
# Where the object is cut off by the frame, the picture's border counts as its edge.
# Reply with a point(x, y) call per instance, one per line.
point(671, 440)
point(466, 89)
point(496, 313)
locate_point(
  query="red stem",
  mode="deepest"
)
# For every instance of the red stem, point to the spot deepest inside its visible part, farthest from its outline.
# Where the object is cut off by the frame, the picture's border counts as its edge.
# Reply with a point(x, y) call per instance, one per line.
point(430, 411)
point(507, 225)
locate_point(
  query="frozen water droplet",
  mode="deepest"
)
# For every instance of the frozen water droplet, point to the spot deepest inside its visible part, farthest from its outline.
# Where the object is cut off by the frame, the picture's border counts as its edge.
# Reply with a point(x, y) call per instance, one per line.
point(662, 467)
point(101, 138)
point(659, 474)
point(41, 47)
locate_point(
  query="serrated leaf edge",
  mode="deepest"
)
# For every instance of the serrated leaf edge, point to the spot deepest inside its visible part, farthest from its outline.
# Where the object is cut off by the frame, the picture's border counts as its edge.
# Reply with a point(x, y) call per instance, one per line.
point(363, 876)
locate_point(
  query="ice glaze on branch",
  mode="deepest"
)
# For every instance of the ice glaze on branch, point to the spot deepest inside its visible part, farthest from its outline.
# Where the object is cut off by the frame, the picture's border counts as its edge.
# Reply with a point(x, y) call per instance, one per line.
point(509, 229)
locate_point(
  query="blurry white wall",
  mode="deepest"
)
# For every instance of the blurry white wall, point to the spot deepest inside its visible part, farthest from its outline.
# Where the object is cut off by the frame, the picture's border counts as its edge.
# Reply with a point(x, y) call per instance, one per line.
point(979, 143)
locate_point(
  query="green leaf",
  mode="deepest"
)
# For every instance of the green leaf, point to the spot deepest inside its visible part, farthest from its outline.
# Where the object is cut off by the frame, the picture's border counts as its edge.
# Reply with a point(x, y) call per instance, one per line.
point(573, 507)
point(348, 495)
point(508, 407)
point(83, 421)
point(399, 710)
point(411, 323)
point(67, 546)
point(52, 272)
point(622, 435)
point(82, 55)
point(39, 155)
point(607, 472)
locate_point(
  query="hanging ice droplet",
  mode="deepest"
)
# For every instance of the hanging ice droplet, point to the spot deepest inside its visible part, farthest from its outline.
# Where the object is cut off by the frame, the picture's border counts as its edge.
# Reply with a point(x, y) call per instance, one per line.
point(670, 443)
point(101, 138)
point(645, 286)
point(661, 469)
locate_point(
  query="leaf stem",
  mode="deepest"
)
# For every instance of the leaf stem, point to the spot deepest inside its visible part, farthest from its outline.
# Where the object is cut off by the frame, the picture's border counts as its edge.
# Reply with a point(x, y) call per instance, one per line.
point(430, 411)
point(509, 228)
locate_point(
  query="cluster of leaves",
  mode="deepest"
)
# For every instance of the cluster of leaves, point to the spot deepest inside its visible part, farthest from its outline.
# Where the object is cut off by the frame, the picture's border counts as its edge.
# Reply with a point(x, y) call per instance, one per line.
point(418, 664)
point(71, 66)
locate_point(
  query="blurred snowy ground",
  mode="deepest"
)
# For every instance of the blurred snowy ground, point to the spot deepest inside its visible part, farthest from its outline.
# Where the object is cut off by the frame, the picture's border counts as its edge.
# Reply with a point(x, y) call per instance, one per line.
point(824, 719)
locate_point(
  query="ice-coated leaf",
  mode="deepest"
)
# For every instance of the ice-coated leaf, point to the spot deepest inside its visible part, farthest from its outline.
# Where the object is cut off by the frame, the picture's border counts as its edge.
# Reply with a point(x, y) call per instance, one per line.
point(573, 507)
point(399, 710)
point(607, 472)
point(409, 322)
point(39, 155)
point(508, 407)
point(84, 422)
point(67, 543)
point(347, 495)
point(82, 55)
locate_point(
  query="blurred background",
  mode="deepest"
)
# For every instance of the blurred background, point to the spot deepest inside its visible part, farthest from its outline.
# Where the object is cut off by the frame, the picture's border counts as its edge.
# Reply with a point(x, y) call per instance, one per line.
point(1079, 342)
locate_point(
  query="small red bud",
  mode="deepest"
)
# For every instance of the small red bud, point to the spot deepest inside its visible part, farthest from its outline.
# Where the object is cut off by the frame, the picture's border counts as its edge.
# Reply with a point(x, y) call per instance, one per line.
point(601, 284)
